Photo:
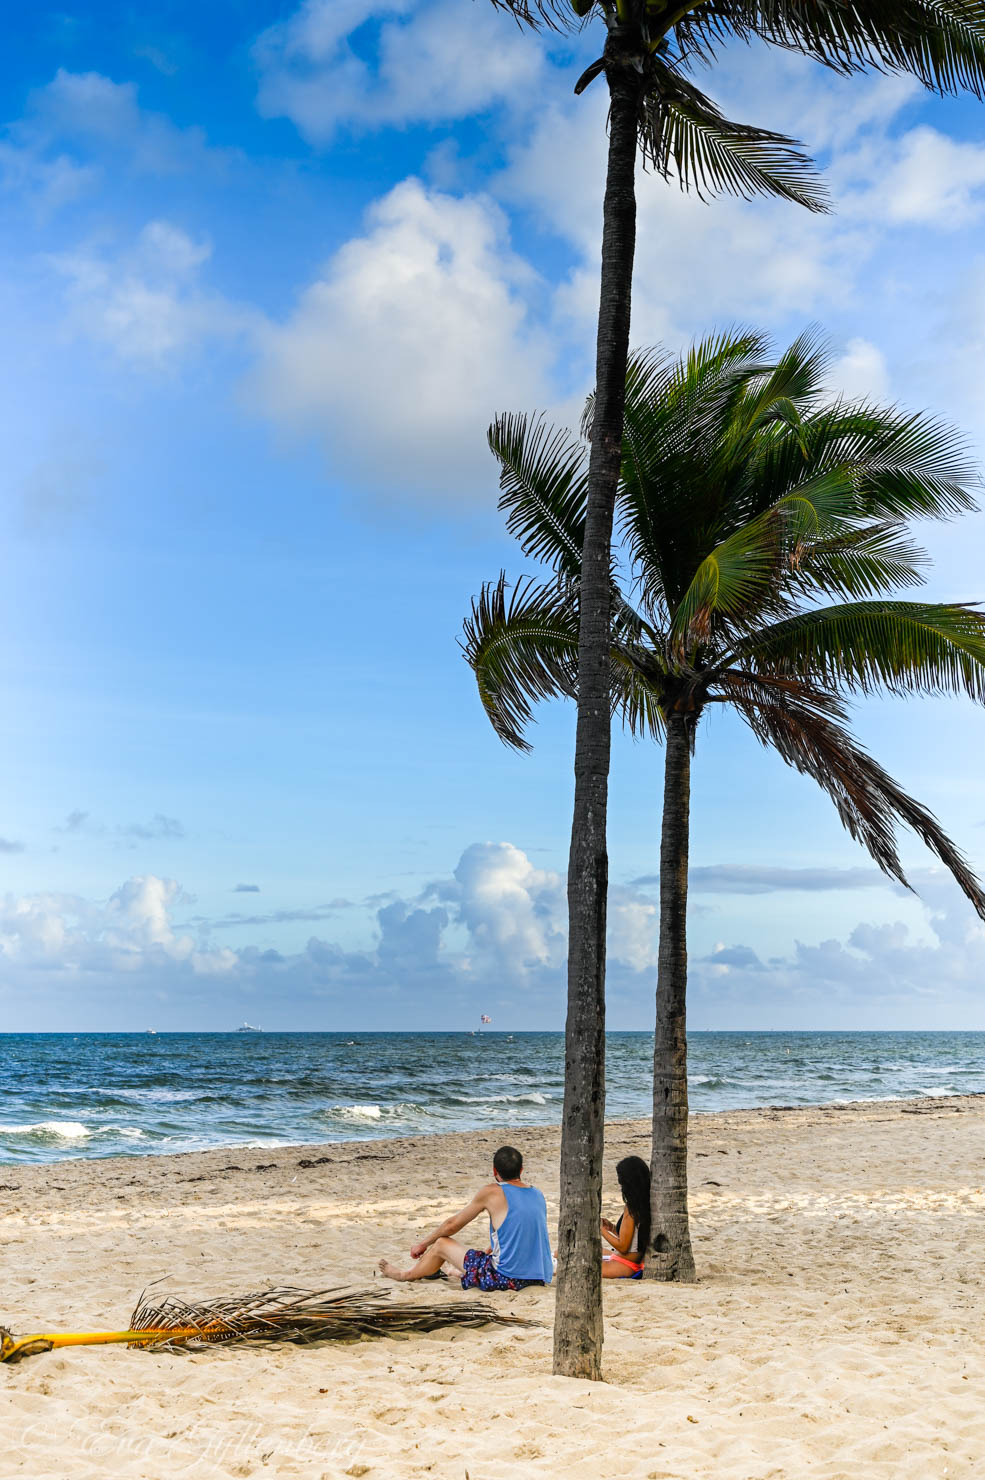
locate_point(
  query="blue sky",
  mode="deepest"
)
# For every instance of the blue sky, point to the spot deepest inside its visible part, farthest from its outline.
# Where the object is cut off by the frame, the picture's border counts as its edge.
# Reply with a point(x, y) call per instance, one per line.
point(267, 274)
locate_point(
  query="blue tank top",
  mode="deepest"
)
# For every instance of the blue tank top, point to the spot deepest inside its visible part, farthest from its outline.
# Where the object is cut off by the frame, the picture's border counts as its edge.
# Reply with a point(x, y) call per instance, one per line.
point(521, 1245)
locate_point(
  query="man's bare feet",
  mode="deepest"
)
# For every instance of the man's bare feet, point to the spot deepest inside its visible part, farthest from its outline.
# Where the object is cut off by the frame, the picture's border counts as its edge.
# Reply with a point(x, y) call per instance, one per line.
point(390, 1270)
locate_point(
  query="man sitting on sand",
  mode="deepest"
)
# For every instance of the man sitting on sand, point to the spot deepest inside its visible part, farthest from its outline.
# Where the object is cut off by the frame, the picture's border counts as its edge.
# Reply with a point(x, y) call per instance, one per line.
point(520, 1251)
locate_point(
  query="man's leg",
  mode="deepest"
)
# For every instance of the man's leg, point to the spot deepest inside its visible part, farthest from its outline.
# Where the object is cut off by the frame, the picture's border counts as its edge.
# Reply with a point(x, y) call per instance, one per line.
point(441, 1251)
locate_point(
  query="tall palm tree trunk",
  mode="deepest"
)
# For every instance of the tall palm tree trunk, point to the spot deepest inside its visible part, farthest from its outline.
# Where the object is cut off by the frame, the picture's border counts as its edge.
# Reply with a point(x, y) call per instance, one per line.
point(670, 1256)
point(578, 1318)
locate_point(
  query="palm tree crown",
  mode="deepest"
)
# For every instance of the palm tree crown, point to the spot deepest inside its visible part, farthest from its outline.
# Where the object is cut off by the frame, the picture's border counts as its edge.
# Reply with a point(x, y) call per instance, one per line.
point(683, 133)
point(745, 500)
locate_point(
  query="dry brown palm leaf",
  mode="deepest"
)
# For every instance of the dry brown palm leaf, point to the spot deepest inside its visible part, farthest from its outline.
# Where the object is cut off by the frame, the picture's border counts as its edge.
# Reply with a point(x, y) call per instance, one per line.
point(280, 1315)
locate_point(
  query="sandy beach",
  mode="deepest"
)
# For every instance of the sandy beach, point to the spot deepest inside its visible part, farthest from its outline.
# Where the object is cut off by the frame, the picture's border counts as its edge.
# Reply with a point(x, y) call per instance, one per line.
point(835, 1331)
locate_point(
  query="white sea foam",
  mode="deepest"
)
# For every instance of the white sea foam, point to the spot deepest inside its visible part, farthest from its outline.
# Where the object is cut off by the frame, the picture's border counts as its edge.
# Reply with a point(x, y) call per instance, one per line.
point(56, 1130)
point(357, 1112)
point(70, 1130)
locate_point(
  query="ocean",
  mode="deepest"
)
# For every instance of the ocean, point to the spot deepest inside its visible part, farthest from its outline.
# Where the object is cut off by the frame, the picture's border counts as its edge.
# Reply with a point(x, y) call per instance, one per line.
point(121, 1094)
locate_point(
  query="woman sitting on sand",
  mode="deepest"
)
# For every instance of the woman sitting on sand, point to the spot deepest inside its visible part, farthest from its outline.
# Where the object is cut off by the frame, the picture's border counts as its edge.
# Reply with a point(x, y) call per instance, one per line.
point(630, 1236)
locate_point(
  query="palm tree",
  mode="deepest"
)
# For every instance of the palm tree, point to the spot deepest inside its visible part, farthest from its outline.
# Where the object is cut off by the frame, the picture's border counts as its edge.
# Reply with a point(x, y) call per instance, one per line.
point(655, 109)
point(744, 500)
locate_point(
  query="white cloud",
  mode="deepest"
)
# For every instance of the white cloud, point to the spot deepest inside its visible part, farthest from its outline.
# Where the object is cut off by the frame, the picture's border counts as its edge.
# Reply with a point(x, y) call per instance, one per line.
point(494, 931)
point(44, 184)
point(411, 339)
point(82, 110)
point(875, 975)
point(146, 302)
point(697, 265)
point(511, 910)
point(933, 180)
point(860, 373)
point(435, 60)
point(81, 123)
point(130, 932)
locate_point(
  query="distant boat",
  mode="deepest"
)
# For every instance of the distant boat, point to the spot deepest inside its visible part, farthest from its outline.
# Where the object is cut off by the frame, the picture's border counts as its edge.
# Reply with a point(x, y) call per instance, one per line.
point(249, 1028)
point(152, 1032)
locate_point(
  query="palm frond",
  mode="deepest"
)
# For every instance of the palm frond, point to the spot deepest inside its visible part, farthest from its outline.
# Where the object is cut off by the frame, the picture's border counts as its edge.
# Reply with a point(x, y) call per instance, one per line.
point(869, 802)
point(913, 465)
point(788, 389)
point(871, 561)
point(735, 576)
point(903, 647)
point(543, 489)
point(675, 414)
point(683, 134)
point(301, 1317)
point(551, 15)
point(742, 685)
point(940, 42)
point(902, 465)
point(523, 647)
point(743, 575)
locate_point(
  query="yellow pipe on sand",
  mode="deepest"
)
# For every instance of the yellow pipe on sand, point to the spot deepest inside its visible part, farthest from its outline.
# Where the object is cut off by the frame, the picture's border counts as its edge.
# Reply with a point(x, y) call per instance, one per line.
point(16, 1348)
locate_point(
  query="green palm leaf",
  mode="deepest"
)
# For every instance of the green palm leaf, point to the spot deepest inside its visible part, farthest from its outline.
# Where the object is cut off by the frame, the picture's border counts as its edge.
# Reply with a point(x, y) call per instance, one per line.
point(744, 574)
point(683, 134)
point(940, 42)
point(871, 561)
point(553, 15)
point(543, 489)
point(522, 647)
point(904, 647)
point(869, 802)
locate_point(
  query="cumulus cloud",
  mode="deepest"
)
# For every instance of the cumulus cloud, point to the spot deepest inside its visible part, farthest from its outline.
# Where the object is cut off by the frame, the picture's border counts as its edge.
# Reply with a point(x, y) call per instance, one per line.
point(933, 180)
point(411, 339)
point(690, 254)
point(432, 61)
point(493, 932)
point(495, 927)
point(511, 910)
point(79, 109)
point(741, 956)
point(130, 932)
point(860, 372)
point(876, 975)
point(146, 301)
point(79, 123)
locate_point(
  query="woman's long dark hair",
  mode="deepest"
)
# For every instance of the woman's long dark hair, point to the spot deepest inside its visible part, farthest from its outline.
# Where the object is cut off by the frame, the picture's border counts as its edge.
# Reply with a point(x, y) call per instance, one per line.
point(634, 1184)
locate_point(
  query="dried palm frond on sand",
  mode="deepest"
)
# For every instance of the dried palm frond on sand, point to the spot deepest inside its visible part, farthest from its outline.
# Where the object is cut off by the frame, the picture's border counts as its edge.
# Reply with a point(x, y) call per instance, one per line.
point(280, 1315)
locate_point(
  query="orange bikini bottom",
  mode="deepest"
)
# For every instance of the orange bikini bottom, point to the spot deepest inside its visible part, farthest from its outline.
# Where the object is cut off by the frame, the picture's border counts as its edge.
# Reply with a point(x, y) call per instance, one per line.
point(629, 1263)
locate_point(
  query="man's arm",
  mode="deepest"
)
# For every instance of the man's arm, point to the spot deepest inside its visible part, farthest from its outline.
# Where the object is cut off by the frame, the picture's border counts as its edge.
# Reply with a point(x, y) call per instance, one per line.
point(479, 1204)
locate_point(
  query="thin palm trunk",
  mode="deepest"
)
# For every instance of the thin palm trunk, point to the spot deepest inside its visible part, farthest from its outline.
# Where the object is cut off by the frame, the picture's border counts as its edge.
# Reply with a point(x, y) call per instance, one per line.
point(670, 1256)
point(578, 1318)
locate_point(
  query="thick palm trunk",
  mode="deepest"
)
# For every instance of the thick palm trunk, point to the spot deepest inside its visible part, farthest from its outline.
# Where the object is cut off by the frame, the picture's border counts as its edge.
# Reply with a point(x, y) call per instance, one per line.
point(669, 1256)
point(578, 1318)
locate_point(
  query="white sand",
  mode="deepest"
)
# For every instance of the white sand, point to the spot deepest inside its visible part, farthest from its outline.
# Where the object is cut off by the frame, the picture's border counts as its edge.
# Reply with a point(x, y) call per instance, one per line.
point(836, 1331)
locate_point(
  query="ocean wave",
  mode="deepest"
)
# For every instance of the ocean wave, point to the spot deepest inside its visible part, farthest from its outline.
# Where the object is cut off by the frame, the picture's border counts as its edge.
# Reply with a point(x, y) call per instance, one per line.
point(54, 1130)
point(69, 1130)
point(374, 1114)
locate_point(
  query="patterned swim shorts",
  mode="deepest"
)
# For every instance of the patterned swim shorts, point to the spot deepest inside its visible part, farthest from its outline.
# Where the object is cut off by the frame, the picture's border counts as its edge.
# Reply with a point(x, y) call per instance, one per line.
point(481, 1274)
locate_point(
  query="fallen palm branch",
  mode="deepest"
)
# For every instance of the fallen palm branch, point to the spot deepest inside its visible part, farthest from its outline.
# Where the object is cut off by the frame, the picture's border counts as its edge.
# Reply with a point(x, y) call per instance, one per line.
point(282, 1315)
